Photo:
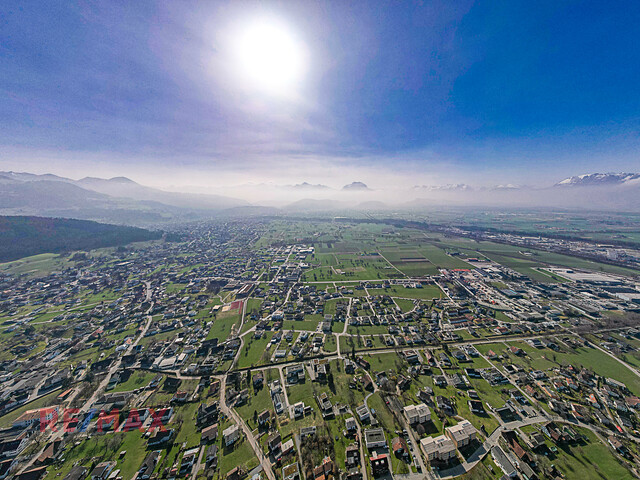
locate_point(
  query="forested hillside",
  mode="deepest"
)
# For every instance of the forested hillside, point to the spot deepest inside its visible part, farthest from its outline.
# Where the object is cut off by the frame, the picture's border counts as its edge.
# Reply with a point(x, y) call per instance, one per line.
point(22, 236)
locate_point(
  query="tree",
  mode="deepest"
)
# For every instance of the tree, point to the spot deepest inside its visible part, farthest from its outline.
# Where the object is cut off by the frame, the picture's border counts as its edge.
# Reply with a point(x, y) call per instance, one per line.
point(332, 386)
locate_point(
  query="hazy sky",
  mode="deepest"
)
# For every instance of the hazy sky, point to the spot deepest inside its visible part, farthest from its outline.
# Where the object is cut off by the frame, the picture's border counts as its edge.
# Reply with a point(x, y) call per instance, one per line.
point(173, 93)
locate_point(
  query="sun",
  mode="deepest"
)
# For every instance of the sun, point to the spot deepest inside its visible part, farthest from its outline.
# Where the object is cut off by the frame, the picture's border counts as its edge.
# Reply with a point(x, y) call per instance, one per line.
point(269, 57)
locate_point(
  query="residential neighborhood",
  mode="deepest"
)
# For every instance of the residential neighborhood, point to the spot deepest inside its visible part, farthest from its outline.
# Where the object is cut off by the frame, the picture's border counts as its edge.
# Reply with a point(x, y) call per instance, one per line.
point(264, 350)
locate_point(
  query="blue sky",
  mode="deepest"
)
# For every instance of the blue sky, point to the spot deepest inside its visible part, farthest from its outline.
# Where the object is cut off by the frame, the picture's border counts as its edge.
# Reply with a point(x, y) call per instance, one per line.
point(442, 91)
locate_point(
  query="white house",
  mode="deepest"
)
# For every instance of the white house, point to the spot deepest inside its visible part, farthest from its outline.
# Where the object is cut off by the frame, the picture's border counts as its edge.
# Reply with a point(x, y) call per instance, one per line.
point(462, 433)
point(417, 413)
point(439, 448)
point(231, 435)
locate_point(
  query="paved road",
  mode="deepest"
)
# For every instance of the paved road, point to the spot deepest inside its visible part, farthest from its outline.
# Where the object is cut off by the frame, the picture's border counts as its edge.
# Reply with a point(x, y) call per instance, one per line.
point(114, 368)
point(59, 433)
point(230, 412)
point(287, 405)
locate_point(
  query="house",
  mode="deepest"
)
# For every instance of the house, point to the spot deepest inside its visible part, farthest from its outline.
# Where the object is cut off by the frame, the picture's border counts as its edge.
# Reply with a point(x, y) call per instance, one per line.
point(77, 473)
point(274, 442)
point(363, 363)
point(440, 381)
point(211, 457)
point(399, 447)
point(32, 474)
point(162, 415)
point(516, 351)
point(324, 470)
point(501, 459)
point(160, 437)
point(476, 407)
point(264, 418)
point(258, 380)
point(148, 465)
point(363, 413)
point(445, 404)
point(102, 470)
point(374, 438)
point(13, 441)
point(325, 405)
point(6, 466)
point(412, 357)
point(462, 433)
point(350, 424)
point(31, 417)
point(207, 414)
point(349, 366)
point(617, 445)
point(291, 472)
point(234, 474)
point(307, 432)
point(352, 456)
point(379, 464)
point(188, 459)
point(287, 447)
point(48, 454)
point(403, 382)
point(295, 373)
point(209, 434)
point(438, 449)
point(298, 409)
point(231, 435)
point(321, 371)
point(417, 414)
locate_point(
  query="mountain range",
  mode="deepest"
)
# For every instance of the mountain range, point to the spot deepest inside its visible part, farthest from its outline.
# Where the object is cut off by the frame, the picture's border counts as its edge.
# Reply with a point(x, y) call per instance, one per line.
point(601, 179)
point(117, 200)
point(120, 200)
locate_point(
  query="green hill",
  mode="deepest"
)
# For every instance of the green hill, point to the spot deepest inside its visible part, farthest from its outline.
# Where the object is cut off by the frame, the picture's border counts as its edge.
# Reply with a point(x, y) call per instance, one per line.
point(24, 236)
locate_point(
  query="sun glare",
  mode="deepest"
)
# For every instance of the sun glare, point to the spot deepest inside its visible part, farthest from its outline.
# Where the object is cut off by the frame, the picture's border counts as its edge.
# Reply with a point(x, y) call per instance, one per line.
point(269, 57)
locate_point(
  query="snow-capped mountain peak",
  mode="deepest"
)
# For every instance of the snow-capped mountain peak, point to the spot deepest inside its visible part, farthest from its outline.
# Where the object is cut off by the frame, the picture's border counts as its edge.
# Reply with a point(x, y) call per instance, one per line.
point(599, 179)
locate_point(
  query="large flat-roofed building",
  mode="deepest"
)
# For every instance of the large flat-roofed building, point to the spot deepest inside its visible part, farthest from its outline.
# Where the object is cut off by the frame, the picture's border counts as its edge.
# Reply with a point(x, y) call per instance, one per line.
point(439, 448)
point(417, 414)
point(374, 438)
point(462, 433)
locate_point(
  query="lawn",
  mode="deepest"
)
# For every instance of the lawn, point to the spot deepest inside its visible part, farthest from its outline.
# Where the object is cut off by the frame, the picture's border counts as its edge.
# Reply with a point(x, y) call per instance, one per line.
point(36, 265)
point(427, 292)
point(240, 455)
point(253, 350)
point(305, 392)
point(308, 325)
point(138, 379)
point(259, 401)
point(591, 358)
point(105, 447)
point(440, 258)
point(223, 324)
point(592, 461)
